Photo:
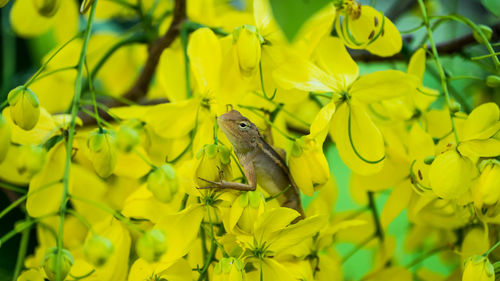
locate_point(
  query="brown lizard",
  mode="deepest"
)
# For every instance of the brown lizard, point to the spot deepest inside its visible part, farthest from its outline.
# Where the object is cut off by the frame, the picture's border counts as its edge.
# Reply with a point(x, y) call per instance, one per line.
point(260, 162)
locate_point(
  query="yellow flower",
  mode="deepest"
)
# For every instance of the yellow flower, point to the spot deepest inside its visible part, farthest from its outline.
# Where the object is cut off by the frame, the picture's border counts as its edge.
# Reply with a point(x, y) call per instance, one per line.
point(101, 145)
point(4, 137)
point(363, 27)
point(358, 140)
point(478, 268)
point(451, 174)
point(24, 107)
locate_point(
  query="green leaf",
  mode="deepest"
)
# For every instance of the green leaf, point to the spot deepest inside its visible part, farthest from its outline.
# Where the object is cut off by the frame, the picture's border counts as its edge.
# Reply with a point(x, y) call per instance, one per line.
point(493, 6)
point(291, 14)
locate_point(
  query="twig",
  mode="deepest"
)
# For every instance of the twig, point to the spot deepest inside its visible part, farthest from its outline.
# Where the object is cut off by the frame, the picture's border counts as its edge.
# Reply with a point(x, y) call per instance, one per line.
point(141, 86)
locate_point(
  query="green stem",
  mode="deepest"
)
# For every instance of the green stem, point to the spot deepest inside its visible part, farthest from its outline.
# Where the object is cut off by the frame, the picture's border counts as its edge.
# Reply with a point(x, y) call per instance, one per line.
point(48, 73)
point(12, 187)
point(136, 38)
point(81, 219)
point(92, 93)
point(24, 197)
point(425, 256)
point(110, 211)
point(92, 114)
point(21, 254)
point(71, 136)
point(376, 220)
point(440, 69)
point(492, 249)
point(291, 115)
point(485, 56)
point(146, 160)
point(19, 228)
point(357, 248)
point(42, 68)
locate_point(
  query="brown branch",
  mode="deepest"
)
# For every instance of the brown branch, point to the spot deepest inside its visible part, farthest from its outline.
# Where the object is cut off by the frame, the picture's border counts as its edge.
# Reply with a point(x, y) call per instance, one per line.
point(141, 86)
point(448, 47)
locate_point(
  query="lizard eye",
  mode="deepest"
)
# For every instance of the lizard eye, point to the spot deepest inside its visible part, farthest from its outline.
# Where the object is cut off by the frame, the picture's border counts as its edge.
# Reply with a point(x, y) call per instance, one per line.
point(242, 125)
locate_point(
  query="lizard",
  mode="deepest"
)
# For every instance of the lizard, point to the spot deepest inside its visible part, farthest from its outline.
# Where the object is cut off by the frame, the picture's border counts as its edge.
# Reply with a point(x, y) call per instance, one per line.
point(260, 162)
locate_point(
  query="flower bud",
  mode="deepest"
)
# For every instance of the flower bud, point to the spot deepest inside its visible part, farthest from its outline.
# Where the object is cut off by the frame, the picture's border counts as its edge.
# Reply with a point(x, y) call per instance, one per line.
point(97, 250)
point(24, 107)
point(49, 263)
point(252, 203)
point(4, 137)
point(478, 268)
point(47, 8)
point(247, 42)
point(486, 31)
point(308, 165)
point(214, 162)
point(151, 245)
point(229, 269)
point(103, 154)
point(127, 138)
point(455, 107)
point(30, 159)
point(163, 183)
point(493, 81)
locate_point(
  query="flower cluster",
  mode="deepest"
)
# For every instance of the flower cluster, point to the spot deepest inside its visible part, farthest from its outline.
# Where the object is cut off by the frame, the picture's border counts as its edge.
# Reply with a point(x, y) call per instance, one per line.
point(130, 194)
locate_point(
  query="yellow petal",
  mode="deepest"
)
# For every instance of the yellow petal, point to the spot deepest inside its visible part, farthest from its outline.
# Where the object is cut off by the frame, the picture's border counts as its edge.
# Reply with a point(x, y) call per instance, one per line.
point(480, 148)
point(66, 21)
point(451, 174)
point(40, 132)
point(416, 66)
point(45, 190)
point(482, 123)
point(420, 143)
point(382, 85)
point(321, 123)
point(26, 21)
point(301, 174)
point(181, 230)
point(164, 118)
point(362, 135)
point(171, 74)
point(205, 57)
point(296, 233)
point(332, 56)
point(305, 76)
point(273, 220)
point(396, 203)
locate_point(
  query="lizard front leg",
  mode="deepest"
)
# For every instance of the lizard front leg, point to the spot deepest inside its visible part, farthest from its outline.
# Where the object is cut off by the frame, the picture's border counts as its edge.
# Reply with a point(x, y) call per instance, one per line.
point(250, 174)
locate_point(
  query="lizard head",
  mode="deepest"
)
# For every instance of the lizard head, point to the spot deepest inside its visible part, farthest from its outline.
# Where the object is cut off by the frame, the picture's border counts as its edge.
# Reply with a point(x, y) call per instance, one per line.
point(242, 133)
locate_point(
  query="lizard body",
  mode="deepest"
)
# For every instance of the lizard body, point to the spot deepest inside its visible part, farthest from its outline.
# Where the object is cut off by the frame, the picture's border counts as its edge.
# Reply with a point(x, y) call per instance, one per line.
point(260, 162)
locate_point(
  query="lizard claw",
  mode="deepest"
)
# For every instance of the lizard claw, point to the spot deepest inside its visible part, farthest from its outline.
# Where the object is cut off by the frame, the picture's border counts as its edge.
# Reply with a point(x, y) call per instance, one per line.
point(215, 184)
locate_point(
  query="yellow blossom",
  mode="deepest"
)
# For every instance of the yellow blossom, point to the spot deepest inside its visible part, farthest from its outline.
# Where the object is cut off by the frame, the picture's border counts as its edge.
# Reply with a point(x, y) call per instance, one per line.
point(478, 268)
